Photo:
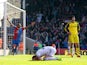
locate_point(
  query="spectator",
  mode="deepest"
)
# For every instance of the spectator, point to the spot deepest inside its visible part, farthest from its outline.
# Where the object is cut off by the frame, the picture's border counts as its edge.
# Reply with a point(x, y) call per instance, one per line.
point(35, 47)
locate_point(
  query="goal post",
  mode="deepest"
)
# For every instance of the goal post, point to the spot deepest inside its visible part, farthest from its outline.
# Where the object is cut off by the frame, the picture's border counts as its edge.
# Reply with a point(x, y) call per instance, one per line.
point(5, 30)
point(15, 15)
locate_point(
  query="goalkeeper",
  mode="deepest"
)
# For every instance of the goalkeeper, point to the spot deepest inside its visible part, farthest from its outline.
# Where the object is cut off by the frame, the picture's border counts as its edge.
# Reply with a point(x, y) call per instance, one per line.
point(72, 29)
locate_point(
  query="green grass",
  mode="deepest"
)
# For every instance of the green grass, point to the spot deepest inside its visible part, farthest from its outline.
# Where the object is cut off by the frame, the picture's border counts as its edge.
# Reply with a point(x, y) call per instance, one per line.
point(26, 60)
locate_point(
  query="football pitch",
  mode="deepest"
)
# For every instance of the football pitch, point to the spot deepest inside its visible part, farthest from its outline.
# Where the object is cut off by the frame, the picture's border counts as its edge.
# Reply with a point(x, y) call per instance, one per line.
point(26, 60)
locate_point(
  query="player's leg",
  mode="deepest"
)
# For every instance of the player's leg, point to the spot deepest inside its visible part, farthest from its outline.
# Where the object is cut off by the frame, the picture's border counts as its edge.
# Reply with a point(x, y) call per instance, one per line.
point(73, 49)
point(69, 47)
point(14, 49)
point(17, 46)
point(71, 43)
point(52, 58)
point(50, 55)
point(77, 46)
point(14, 46)
point(77, 49)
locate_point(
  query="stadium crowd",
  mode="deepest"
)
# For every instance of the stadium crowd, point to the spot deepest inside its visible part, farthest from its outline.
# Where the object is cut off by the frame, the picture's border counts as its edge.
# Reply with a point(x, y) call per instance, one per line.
point(51, 16)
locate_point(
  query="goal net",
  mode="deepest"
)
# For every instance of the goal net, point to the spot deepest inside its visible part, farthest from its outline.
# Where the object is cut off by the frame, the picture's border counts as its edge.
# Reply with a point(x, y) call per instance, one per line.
point(15, 15)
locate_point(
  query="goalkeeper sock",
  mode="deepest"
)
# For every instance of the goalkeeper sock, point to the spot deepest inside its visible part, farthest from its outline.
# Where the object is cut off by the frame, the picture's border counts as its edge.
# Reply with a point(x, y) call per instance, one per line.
point(69, 52)
point(73, 51)
point(78, 51)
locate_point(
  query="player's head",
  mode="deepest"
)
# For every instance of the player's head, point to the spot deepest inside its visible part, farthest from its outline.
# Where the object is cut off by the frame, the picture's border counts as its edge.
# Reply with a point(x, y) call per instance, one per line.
point(73, 18)
point(35, 58)
point(18, 25)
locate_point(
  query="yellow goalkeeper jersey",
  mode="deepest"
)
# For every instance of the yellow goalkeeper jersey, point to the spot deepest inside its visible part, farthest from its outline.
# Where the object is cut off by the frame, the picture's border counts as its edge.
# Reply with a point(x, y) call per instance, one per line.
point(72, 27)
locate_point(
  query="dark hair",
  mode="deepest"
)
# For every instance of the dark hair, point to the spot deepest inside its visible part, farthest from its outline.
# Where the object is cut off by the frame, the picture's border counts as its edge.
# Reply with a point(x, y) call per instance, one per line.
point(72, 16)
point(34, 57)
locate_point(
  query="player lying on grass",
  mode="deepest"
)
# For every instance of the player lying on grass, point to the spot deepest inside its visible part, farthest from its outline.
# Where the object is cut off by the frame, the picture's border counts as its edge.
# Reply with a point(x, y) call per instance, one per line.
point(45, 53)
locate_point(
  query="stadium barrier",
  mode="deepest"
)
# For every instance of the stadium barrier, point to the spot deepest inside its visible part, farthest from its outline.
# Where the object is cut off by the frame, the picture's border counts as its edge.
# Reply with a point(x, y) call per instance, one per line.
point(0, 43)
point(83, 52)
point(64, 51)
point(61, 51)
point(21, 46)
point(1, 52)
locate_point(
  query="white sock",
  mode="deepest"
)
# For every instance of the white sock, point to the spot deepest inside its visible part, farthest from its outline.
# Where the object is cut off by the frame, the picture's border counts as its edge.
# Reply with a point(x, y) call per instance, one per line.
point(69, 49)
point(73, 50)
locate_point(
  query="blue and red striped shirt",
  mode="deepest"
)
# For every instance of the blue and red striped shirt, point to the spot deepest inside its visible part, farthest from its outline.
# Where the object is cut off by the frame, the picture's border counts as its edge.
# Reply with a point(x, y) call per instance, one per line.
point(17, 35)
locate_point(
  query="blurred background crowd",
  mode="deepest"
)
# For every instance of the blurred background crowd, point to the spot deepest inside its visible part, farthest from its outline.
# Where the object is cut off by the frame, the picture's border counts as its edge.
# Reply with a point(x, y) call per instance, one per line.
point(51, 16)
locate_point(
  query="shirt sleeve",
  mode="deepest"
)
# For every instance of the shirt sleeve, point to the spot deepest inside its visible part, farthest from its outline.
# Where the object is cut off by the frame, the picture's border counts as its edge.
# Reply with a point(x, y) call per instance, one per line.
point(66, 27)
point(23, 28)
point(78, 27)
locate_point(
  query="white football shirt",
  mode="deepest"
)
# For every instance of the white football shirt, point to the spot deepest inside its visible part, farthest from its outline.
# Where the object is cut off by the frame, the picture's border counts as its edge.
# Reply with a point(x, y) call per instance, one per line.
point(48, 51)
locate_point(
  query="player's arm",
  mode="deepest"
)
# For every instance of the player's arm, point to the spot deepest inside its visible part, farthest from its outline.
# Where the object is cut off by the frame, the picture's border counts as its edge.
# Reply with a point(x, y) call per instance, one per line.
point(78, 27)
point(32, 24)
point(11, 23)
point(66, 28)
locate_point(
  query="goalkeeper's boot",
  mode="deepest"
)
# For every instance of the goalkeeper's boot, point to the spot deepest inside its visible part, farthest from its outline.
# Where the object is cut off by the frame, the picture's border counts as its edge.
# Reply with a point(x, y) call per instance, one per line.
point(78, 55)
